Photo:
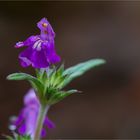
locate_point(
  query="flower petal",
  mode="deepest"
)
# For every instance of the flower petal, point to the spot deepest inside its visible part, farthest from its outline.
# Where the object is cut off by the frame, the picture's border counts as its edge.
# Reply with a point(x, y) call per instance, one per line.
point(51, 53)
point(46, 29)
point(25, 57)
point(31, 119)
point(54, 58)
point(31, 40)
point(30, 98)
point(22, 129)
point(49, 123)
point(19, 44)
point(43, 133)
point(19, 119)
point(39, 59)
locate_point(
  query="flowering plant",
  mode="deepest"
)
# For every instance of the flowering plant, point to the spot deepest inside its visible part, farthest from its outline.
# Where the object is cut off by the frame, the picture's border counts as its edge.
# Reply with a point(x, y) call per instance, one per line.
point(47, 85)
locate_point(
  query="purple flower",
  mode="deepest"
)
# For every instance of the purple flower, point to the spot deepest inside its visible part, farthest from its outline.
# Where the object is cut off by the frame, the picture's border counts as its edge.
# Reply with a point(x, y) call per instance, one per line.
point(25, 123)
point(40, 51)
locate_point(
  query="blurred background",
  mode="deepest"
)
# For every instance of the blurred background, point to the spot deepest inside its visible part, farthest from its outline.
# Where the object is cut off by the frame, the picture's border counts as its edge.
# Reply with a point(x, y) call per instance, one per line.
point(109, 106)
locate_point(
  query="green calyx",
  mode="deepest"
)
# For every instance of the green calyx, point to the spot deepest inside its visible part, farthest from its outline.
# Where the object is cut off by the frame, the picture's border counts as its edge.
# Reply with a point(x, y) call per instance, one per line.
point(49, 83)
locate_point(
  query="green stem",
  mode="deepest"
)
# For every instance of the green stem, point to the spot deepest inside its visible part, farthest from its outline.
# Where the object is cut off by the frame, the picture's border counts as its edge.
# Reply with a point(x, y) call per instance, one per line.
point(42, 114)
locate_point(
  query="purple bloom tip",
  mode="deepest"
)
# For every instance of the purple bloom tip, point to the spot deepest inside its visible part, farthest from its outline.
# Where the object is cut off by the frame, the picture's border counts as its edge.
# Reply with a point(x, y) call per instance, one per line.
point(40, 51)
point(45, 27)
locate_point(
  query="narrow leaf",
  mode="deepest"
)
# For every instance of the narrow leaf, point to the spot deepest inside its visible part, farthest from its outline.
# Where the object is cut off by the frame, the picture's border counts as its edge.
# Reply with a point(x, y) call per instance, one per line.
point(80, 69)
point(57, 97)
point(20, 76)
point(23, 76)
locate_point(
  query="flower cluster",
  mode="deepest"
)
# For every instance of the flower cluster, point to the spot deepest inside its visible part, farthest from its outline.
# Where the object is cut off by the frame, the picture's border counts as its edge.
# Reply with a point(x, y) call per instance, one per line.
point(40, 51)
point(26, 121)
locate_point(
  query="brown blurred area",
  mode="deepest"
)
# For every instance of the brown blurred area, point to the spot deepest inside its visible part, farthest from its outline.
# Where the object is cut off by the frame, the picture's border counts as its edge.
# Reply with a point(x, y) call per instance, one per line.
point(109, 106)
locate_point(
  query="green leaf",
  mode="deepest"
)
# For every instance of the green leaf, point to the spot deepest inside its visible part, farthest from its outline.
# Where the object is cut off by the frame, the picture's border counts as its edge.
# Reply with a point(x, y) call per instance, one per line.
point(23, 76)
point(26, 137)
point(60, 96)
point(8, 137)
point(20, 76)
point(18, 137)
point(60, 70)
point(80, 69)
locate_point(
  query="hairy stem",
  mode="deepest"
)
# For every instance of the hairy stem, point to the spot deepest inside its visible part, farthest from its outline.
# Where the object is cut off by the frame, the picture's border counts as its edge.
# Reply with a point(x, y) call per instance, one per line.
point(42, 114)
